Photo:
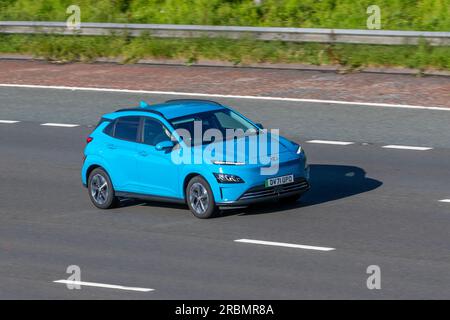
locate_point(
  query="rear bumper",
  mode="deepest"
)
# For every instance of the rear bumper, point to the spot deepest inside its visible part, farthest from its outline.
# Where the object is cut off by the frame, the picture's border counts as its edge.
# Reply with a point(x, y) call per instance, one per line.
point(261, 193)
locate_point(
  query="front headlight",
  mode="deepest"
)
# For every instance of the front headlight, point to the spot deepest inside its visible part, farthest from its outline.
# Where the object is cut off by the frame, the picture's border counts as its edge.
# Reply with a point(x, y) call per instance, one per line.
point(228, 178)
point(299, 149)
point(228, 163)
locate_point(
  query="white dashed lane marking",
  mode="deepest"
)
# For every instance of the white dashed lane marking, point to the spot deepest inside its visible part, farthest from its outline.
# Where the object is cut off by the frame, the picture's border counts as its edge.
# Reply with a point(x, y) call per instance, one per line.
point(283, 244)
point(407, 148)
point(445, 200)
point(103, 285)
point(9, 121)
point(339, 143)
point(329, 142)
point(62, 125)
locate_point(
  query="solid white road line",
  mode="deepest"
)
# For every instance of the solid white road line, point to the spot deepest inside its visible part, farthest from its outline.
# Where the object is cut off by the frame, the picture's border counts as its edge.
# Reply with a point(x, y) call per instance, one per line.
point(62, 125)
point(340, 143)
point(102, 285)
point(282, 244)
point(8, 121)
point(445, 200)
point(212, 95)
point(407, 147)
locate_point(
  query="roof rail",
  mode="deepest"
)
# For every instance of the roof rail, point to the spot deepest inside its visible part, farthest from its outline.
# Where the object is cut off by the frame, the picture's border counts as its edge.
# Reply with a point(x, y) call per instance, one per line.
point(143, 110)
point(194, 100)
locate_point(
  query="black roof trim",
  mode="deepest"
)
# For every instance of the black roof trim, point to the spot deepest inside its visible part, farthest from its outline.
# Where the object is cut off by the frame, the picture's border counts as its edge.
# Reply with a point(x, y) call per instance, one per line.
point(143, 110)
point(194, 100)
point(168, 102)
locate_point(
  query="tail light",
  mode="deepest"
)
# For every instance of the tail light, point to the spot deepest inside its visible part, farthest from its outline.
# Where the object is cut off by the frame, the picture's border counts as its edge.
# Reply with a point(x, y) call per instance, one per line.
point(89, 139)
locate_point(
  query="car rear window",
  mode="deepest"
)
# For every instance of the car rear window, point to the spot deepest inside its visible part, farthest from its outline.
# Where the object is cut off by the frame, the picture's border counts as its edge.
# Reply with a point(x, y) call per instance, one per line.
point(126, 128)
point(102, 120)
point(109, 130)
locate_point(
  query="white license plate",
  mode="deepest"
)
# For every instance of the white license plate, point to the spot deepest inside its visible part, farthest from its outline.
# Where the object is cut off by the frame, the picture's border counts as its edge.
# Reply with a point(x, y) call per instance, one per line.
point(279, 180)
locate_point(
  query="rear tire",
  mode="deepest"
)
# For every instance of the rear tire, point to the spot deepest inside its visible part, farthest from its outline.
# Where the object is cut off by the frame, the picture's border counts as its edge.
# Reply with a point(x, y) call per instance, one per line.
point(200, 198)
point(101, 190)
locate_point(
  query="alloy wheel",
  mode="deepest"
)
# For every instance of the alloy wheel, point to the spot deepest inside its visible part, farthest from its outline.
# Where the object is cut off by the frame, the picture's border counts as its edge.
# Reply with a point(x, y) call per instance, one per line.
point(198, 198)
point(99, 189)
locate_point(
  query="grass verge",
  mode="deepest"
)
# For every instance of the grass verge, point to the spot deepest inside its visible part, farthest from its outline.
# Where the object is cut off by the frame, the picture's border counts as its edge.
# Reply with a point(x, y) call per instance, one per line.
point(238, 52)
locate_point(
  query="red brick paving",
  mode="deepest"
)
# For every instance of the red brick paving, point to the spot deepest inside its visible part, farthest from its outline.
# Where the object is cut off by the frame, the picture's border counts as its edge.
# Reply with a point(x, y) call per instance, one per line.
point(361, 87)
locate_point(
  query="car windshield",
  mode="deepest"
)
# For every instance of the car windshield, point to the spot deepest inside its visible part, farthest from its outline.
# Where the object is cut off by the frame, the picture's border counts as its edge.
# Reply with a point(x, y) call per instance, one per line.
point(222, 120)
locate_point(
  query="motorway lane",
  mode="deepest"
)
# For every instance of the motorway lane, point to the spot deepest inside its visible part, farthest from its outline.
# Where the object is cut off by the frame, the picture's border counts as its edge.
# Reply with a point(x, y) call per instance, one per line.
point(374, 205)
point(305, 120)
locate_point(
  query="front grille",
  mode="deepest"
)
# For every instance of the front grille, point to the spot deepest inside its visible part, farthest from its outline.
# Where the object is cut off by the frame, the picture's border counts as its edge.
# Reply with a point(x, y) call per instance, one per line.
point(299, 184)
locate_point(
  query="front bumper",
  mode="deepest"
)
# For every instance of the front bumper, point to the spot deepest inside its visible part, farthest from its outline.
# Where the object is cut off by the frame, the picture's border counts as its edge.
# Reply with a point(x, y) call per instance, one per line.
point(261, 193)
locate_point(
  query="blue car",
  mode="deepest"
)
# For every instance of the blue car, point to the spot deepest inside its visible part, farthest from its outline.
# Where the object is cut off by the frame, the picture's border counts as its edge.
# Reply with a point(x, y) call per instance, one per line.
point(152, 153)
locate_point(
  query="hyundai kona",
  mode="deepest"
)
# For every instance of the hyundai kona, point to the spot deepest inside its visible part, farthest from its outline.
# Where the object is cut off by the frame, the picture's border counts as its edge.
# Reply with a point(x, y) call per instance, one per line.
point(196, 152)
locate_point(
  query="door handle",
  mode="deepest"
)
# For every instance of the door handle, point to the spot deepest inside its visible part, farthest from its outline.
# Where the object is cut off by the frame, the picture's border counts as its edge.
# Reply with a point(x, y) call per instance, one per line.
point(143, 153)
point(111, 146)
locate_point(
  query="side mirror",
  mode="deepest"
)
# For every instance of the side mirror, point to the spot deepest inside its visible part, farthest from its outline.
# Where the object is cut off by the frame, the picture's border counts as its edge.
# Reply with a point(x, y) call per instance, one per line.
point(259, 125)
point(165, 145)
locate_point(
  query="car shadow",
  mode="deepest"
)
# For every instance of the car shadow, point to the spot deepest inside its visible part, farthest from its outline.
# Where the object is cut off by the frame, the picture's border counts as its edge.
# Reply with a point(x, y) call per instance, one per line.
point(128, 202)
point(328, 183)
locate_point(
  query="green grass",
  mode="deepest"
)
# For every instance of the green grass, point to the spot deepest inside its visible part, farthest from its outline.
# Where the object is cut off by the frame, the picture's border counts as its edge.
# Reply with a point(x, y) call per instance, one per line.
point(431, 15)
point(245, 51)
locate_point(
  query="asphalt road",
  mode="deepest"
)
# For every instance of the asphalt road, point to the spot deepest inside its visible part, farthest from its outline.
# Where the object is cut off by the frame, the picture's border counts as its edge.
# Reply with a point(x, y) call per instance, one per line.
point(375, 206)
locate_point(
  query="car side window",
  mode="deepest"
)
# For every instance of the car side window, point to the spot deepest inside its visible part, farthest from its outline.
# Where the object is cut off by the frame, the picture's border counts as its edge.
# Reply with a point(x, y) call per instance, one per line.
point(127, 128)
point(154, 132)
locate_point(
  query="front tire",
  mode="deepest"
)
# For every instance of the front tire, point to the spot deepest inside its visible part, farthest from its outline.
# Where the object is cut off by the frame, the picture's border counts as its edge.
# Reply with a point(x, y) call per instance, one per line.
point(200, 198)
point(101, 190)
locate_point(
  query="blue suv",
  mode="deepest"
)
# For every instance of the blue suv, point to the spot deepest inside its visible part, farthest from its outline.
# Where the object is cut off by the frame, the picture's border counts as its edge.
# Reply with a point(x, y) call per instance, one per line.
point(141, 153)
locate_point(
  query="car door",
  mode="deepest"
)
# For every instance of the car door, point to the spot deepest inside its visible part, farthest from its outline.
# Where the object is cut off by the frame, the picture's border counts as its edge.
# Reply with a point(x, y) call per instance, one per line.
point(158, 175)
point(120, 153)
